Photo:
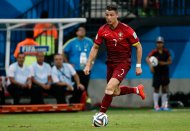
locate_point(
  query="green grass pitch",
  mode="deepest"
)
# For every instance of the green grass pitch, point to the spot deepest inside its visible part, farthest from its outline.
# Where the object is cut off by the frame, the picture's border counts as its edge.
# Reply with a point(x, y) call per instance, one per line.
point(119, 120)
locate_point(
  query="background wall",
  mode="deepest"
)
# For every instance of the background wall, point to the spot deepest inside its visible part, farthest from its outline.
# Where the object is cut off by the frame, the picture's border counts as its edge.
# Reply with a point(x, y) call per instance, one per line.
point(176, 37)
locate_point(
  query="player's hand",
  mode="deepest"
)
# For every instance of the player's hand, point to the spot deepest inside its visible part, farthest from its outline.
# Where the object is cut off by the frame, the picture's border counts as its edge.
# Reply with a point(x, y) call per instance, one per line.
point(162, 63)
point(43, 86)
point(152, 69)
point(80, 86)
point(138, 71)
point(46, 87)
point(23, 86)
point(87, 70)
point(70, 88)
point(29, 86)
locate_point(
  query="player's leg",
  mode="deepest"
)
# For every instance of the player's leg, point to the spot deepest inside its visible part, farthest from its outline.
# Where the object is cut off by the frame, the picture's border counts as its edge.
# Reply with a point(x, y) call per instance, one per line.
point(120, 73)
point(15, 92)
point(37, 94)
point(156, 85)
point(156, 98)
point(107, 99)
point(123, 90)
point(2, 95)
point(59, 93)
point(165, 88)
point(164, 96)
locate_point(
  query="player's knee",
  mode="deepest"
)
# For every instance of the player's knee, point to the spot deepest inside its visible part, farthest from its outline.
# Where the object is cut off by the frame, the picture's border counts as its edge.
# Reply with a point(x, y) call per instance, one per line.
point(112, 86)
point(116, 92)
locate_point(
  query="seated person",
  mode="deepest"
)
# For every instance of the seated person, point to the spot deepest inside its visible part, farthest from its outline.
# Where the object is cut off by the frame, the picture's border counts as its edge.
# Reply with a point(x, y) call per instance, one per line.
point(62, 74)
point(2, 95)
point(41, 79)
point(19, 77)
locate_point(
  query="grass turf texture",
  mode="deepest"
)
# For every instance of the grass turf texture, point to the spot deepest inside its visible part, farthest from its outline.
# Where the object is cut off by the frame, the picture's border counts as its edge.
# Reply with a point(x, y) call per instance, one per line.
point(119, 120)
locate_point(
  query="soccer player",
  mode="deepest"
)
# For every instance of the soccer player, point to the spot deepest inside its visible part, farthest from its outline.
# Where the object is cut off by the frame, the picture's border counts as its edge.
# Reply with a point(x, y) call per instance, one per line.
point(160, 73)
point(119, 39)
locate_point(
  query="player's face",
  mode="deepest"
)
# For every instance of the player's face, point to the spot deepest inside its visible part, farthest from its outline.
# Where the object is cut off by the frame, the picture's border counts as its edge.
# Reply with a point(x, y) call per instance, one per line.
point(159, 44)
point(58, 59)
point(81, 32)
point(111, 17)
point(20, 59)
point(40, 57)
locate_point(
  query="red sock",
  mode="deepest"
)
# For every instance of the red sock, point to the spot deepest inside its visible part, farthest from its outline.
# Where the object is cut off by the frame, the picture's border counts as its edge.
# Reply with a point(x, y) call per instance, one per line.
point(127, 90)
point(106, 103)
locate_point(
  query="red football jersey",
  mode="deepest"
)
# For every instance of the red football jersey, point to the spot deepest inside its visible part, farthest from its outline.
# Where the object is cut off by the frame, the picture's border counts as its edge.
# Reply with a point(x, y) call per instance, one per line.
point(118, 42)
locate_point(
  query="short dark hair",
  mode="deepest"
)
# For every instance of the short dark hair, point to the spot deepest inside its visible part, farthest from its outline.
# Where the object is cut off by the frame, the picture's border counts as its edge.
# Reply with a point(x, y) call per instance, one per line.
point(57, 54)
point(20, 53)
point(81, 27)
point(111, 7)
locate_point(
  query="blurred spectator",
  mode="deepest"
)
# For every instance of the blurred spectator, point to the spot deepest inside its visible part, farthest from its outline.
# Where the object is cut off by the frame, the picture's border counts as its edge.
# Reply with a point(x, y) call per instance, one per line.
point(77, 52)
point(30, 57)
point(19, 76)
point(146, 7)
point(160, 73)
point(41, 79)
point(62, 74)
point(46, 35)
point(2, 93)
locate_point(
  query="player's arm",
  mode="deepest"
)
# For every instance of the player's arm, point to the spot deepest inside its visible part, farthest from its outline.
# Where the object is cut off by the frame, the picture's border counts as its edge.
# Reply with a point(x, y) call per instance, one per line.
point(77, 80)
point(148, 61)
point(33, 79)
point(29, 83)
point(11, 76)
point(92, 56)
point(134, 40)
point(37, 82)
point(168, 62)
point(13, 81)
point(139, 57)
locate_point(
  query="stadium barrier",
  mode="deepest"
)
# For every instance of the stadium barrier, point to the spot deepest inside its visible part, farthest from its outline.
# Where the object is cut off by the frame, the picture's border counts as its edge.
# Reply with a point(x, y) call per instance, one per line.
point(41, 108)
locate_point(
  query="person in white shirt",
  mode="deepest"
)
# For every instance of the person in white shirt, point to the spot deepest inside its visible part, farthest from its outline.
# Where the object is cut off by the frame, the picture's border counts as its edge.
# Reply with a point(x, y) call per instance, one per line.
point(20, 79)
point(41, 79)
point(2, 91)
point(62, 74)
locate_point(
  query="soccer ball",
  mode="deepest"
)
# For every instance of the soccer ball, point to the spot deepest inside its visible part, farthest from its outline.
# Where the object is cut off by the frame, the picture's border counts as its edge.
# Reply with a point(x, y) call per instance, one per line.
point(100, 119)
point(153, 60)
